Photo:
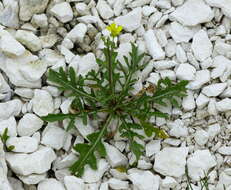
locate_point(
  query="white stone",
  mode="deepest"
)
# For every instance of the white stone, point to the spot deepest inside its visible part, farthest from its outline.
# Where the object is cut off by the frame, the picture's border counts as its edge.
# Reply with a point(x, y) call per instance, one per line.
point(162, 65)
point(84, 130)
point(82, 8)
point(89, 61)
point(77, 33)
point(188, 102)
point(118, 184)
point(88, 19)
point(131, 21)
point(201, 45)
point(15, 183)
point(62, 11)
point(199, 164)
point(168, 182)
point(32, 179)
point(202, 77)
point(182, 33)
point(202, 101)
point(180, 54)
point(153, 46)
point(29, 124)
point(224, 105)
point(22, 144)
point(50, 182)
point(225, 150)
point(4, 86)
point(30, 7)
point(42, 103)
point(24, 92)
point(177, 129)
point(144, 180)
point(201, 137)
point(54, 137)
point(212, 110)
point(169, 163)
point(220, 63)
point(93, 176)
point(185, 72)
point(225, 6)
point(152, 147)
point(10, 108)
point(26, 164)
point(114, 156)
point(214, 130)
point(10, 46)
point(29, 39)
point(104, 9)
point(40, 20)
point(73, 183)
point(187, 15)
point(34, 71)
point(144, 165)
point(148, 10)
point(10, 124)
point(214, 89)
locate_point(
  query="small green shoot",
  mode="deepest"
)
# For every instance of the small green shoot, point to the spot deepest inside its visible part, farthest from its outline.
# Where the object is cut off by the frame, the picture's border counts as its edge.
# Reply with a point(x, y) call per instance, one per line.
point(4, 137)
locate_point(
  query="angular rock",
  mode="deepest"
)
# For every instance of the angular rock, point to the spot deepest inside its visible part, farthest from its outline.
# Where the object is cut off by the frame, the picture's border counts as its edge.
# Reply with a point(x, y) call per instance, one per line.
point(202, 101)
point(144, 180)
point(153, 46)
point(214, 90)
point(185, 72)
point(114, 156)
point(177, 129)
point(224, 105)
point(29, 39)
point(30, 7)
point(54, 137)
point(213, 130)
point(42, 103)
point(131, 21)
point(225, 150)
point(104, 9)
point(118, 184)
point(201, 137)
point(10, 108)
point(10, 124)
point(169, 182)
point(50, 182)
point(220, 63)
point(32, 179)
point(152, 147)
point(182, 33)
point(40, 20)
point(77, 33)
point(187, 15)
point(201, 50)
point(73, 183)
point(169, 163)
point(10, 46)
point(37, 162)
point(188, 102)
point(23, 144)
point(62, 11)
point(199, 164)
point(161, 65)
point(202, 77)
point(29, 124)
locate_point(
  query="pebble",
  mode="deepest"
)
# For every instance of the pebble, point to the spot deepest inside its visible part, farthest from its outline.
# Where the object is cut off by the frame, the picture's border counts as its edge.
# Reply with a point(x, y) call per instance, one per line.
point(25, 164)
point(29, 124)
point(23, 144)
point(42, 103)
point(202, 101)
point(50, 182)
point(32, 179)
point(78, 33)
point(29, 39)
point(153, 46)
point(144, 180)
point(117, 184)
point(214, 90)
point(201, 137)
point(168, 164)
point(10, 124)
point(104, 9)
point(73, 183)
point(177, 129)
point(40, 20)
point(62, 11)
point(199, 164)
point(202, 77)
point(201, 50)
point(54, 137)
point(10, 108)
point(224, 5)
point(185, 71)
point(152, 147)
point(169, 182)
point(214, 130)
point(187, 15)
point(131, 21)
point(224, 105)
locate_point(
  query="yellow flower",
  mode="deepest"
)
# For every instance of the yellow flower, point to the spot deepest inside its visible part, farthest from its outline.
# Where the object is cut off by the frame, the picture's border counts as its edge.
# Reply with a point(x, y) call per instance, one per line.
point(114, 29)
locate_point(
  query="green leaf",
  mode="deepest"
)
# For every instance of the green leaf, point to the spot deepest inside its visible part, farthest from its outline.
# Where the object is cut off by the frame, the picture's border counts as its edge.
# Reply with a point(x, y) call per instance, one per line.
point(4, 136)
point(57, 117)
point(137, 149)
point(148, 128)
point(10, 148)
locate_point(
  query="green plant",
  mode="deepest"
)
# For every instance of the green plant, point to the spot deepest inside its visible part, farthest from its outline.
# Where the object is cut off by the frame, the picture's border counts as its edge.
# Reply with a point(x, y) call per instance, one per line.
point(109, 91)
point(4, 137)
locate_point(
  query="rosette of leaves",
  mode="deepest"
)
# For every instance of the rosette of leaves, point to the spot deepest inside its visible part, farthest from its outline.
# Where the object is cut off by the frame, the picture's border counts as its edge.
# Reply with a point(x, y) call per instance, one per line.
point(108, 91)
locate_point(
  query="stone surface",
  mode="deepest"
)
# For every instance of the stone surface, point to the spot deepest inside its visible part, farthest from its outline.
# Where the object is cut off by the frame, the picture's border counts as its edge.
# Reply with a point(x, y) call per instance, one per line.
point(225, 6)
point(214, 89)
point(33, 178)
point(224, 105)
point(23, 144)
point(185, 72)
point(77, 33)
point(10, 124)
point(130, 21)
point(104, 9)
point(10, 108)
point(168, 163)
point(42, 103)
point(29, 124)
point(187, 15)
point(199, 164)
point(50, 182)
point(201, 45)
point(62, 11)
point(73, 183)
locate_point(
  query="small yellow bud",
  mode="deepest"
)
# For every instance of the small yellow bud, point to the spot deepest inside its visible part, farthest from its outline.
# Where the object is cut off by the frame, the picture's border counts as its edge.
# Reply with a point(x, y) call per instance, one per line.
point(114, 29)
